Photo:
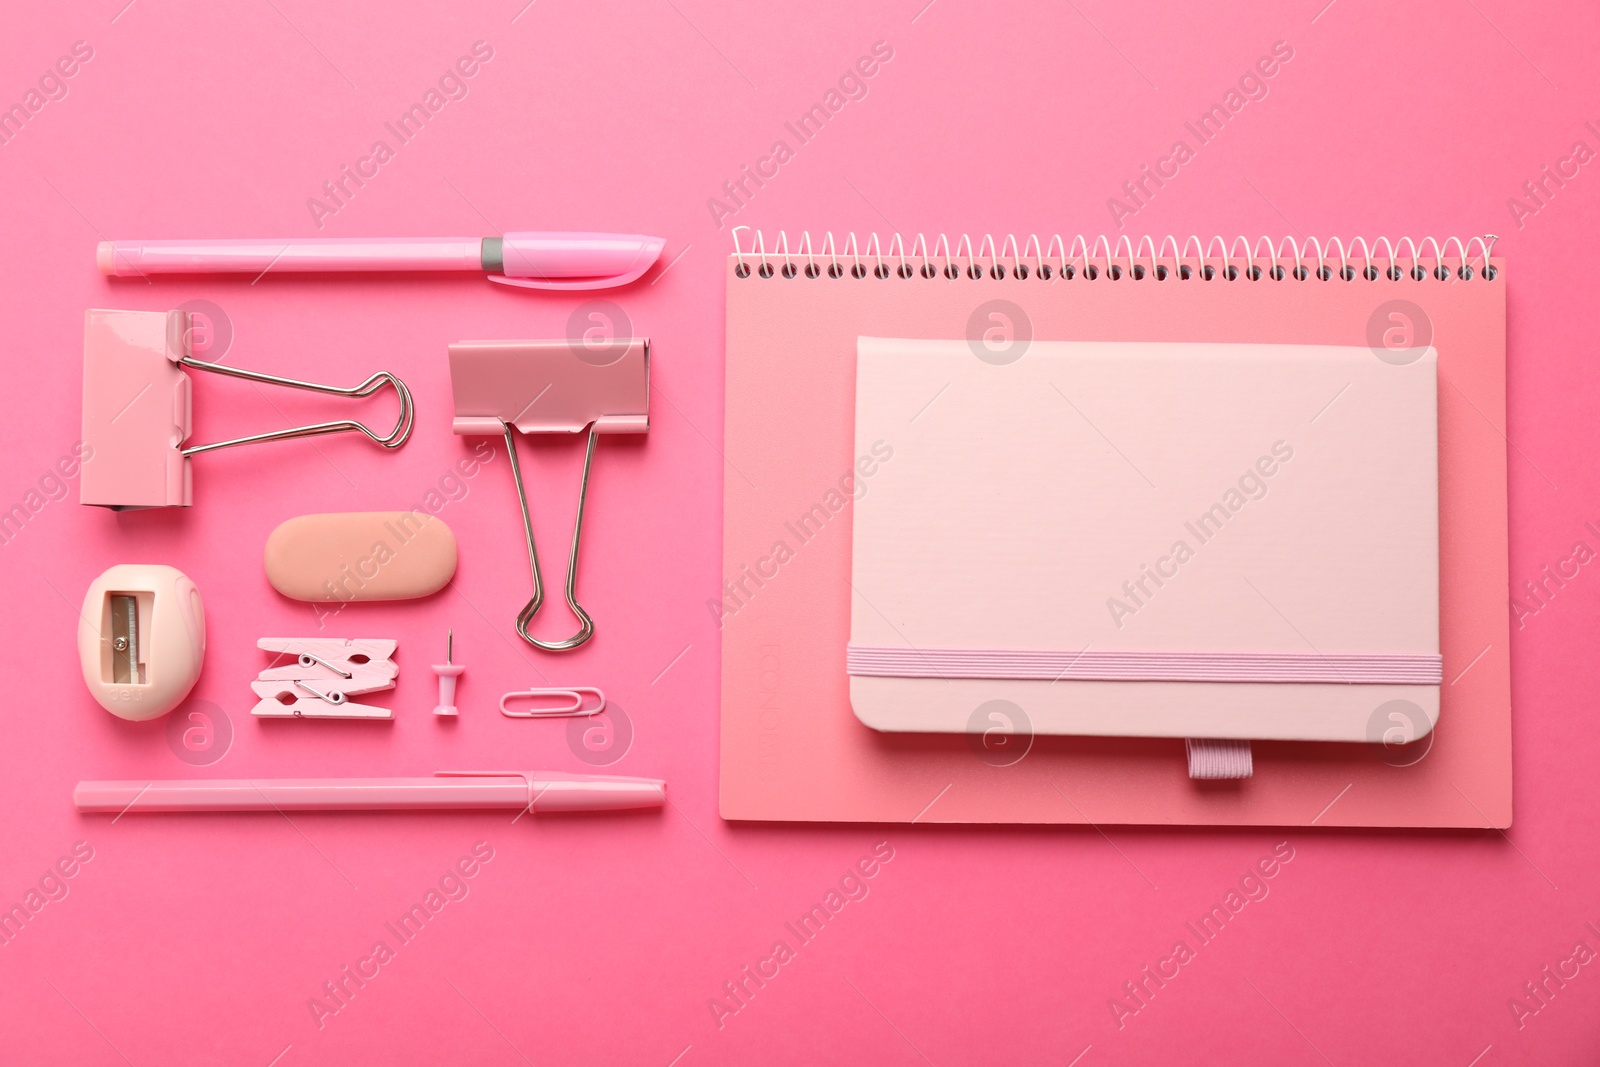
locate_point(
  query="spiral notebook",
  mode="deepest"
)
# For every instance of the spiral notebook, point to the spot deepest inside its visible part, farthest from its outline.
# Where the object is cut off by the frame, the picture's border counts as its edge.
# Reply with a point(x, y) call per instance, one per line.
point(886, 415)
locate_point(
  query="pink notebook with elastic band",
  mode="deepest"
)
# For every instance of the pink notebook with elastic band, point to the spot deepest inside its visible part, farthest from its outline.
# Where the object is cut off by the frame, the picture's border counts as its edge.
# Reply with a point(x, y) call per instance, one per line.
point(1147, 540)
point(1035, 537)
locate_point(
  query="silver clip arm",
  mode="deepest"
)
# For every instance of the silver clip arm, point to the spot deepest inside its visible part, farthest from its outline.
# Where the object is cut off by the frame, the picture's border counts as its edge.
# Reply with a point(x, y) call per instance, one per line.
point(531, 608)
point(393, 439)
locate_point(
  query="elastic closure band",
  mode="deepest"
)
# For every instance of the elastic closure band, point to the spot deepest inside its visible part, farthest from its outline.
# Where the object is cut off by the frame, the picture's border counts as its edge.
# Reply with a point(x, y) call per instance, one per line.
point(1091, 666)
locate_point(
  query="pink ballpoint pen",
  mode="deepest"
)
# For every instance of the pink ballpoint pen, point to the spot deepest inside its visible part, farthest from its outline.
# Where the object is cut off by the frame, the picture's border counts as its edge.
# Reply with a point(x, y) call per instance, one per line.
point(530, 260)
point(536, 791)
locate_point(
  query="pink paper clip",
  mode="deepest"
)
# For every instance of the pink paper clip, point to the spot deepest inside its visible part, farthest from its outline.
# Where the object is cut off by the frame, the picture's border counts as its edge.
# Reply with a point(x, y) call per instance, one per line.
point(138, 409)
point(572, 701)
point(551, 387)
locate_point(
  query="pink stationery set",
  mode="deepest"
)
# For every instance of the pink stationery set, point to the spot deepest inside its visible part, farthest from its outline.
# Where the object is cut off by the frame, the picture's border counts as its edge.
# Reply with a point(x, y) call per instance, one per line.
point(142, 629)
point(1050, 533)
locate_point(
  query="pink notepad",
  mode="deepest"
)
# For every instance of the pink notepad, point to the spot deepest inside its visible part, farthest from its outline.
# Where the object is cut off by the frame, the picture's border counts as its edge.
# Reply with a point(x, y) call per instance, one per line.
point(1141, 539)
point(792, 747)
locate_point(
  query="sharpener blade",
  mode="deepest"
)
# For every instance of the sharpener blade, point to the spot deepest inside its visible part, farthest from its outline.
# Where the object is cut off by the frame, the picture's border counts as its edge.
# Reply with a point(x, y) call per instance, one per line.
point(124, 639)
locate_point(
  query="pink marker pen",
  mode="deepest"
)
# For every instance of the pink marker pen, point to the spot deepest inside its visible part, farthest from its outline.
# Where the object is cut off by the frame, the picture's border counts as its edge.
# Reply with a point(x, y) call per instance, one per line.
point(529, 260)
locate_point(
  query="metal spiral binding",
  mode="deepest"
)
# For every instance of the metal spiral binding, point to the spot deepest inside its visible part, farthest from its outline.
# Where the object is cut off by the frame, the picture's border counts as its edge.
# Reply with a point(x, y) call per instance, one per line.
point(1313, 258)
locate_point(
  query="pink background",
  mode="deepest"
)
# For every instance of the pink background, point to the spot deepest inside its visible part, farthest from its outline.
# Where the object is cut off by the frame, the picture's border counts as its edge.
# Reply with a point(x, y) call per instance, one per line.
point(200, 939)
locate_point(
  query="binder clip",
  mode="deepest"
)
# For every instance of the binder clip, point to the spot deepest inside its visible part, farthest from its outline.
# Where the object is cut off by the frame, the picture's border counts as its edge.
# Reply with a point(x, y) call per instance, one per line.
point(137, 409)
point(550, 387)
point(326, 673)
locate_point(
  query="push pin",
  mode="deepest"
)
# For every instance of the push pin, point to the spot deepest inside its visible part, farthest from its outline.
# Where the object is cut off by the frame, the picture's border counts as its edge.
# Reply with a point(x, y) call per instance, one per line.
point(448, 672)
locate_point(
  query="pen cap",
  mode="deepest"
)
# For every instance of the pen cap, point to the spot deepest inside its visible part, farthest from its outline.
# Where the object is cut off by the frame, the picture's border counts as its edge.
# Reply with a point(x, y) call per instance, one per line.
point(569, 260)
point(552, 791)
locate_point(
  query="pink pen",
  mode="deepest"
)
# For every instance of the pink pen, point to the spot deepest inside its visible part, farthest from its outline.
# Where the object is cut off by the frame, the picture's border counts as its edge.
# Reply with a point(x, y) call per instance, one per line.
point(536, 791)
point(530, 260)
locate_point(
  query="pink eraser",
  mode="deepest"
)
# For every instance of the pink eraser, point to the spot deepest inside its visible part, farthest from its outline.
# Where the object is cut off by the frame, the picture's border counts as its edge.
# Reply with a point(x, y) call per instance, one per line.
point(105, 257)
point(361, 555)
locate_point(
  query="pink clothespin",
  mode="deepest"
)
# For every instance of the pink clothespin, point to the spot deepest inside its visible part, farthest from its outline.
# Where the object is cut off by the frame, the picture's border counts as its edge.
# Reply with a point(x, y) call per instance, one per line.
point(326, 672)
point(551, 387)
